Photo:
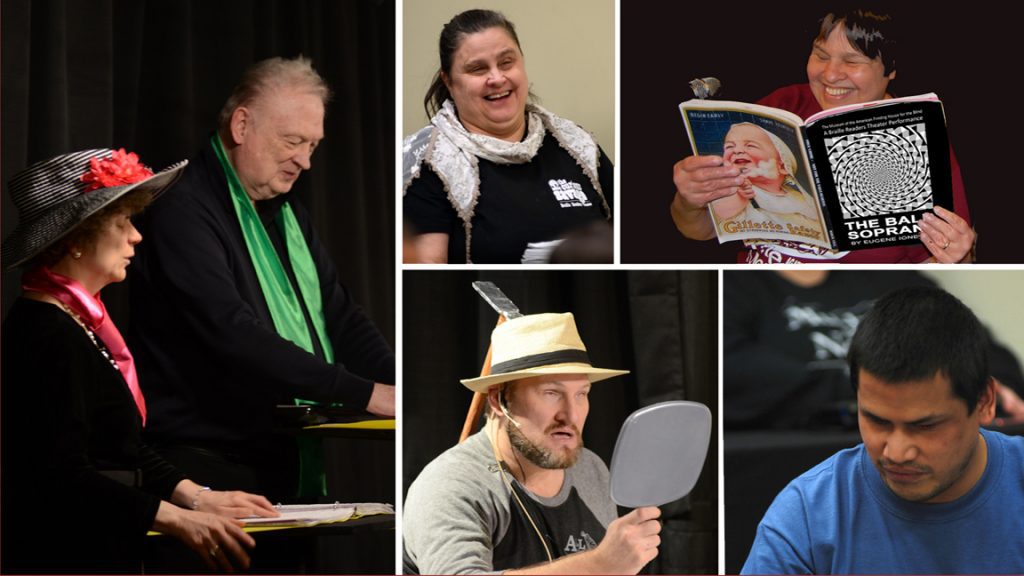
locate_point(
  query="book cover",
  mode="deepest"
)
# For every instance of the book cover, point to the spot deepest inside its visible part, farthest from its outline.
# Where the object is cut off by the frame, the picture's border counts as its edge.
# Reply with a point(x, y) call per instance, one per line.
point(779, 203)
point(848, 178)
point(880, 168)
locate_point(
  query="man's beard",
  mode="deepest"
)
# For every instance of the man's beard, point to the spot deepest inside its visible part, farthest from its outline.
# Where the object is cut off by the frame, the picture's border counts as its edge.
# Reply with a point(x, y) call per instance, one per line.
point(541, 456)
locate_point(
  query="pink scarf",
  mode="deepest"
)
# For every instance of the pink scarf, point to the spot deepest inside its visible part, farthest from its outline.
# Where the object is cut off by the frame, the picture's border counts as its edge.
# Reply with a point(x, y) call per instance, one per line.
point(93, 314)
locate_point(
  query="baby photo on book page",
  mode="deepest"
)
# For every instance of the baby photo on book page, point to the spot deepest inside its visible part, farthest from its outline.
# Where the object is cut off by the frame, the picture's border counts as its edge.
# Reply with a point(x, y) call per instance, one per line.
point(776, 199)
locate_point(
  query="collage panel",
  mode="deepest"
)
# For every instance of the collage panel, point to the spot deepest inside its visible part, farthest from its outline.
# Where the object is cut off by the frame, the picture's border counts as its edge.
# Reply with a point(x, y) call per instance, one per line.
point(852, 404)
point(199, 268)
point(508, 114)
point(881, 160)
point(201, 316)
point(643, 339)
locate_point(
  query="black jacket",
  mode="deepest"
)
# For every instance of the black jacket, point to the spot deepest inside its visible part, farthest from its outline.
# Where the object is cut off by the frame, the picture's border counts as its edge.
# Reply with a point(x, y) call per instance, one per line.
point(67, 416)
point(210, 362)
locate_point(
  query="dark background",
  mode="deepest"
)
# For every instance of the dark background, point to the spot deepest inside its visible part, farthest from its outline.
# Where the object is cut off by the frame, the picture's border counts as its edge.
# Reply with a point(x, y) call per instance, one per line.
point(660, 325)
point(961, 51)
point(150, 76)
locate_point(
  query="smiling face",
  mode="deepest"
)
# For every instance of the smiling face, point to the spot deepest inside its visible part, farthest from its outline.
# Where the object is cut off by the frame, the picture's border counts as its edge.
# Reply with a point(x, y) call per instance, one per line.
point(840, 74)
point(551, 411)
point(920, 437)
point(274, 139)
point(488, 84)
point(749, 149)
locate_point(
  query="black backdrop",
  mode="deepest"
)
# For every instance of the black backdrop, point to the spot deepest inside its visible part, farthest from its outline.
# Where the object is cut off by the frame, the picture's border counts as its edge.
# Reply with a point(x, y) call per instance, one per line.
point(958, 50)
point(150, 76)
point(660, 325)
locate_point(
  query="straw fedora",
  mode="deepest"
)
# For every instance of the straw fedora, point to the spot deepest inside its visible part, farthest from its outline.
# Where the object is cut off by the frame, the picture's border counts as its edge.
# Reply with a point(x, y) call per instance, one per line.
point(537, 344)
point(54, 196)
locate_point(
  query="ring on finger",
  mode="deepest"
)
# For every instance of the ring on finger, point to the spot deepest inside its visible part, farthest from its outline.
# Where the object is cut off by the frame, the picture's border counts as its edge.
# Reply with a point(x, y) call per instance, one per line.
point(946, 245)
point(215, 550)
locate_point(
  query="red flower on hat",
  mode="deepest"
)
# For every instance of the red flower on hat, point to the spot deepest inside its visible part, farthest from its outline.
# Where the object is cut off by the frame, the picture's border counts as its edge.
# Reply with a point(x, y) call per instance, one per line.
point(120, 169)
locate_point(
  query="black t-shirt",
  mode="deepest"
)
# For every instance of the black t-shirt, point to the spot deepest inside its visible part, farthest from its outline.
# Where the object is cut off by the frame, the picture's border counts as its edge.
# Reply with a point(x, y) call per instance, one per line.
point(567, 528)
point(537, 201)
point(785, 346)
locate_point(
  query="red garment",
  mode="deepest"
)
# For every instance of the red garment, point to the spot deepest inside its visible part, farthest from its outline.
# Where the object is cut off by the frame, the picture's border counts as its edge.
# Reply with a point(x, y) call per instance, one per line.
point(799, 100)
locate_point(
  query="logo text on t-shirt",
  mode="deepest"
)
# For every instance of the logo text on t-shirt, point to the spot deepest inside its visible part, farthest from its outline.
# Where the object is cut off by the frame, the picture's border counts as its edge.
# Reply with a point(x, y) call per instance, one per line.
point(569, 194)
point(583, 542)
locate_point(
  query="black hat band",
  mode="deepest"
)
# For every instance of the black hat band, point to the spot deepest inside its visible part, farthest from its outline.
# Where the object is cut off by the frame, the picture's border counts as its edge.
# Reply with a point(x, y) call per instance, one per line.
point(544, 359)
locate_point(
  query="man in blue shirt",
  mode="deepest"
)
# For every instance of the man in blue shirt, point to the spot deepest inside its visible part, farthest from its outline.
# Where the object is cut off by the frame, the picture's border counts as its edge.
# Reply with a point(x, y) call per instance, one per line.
point(928, 491)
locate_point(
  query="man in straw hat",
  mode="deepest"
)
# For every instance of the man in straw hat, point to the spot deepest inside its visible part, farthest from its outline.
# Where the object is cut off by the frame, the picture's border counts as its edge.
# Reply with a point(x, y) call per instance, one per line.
point(239, 306)
point(523, 494)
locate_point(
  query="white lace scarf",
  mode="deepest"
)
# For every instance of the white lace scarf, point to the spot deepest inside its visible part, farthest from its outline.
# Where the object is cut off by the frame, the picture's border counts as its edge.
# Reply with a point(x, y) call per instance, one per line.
point(452, 152)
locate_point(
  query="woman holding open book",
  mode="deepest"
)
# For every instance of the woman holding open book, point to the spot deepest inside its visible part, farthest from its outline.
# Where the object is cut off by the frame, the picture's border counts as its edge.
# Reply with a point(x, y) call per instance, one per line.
point(852, 61)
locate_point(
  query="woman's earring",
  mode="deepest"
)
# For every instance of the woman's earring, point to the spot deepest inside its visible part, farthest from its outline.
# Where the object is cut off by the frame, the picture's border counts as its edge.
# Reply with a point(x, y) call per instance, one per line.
point(76, 254)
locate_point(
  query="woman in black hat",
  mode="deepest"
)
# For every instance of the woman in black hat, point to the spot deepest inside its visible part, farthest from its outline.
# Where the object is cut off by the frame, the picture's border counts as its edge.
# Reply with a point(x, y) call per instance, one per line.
point(80, 488)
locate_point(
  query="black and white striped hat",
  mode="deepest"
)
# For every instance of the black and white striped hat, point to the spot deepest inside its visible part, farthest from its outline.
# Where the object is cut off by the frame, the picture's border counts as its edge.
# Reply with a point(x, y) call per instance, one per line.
point(52, 200)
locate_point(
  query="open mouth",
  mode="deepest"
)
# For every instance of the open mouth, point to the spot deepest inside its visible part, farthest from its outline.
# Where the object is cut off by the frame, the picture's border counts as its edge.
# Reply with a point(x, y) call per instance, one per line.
point(498, 96)
point(563, 434)
point(837, 92)
point(742, 163)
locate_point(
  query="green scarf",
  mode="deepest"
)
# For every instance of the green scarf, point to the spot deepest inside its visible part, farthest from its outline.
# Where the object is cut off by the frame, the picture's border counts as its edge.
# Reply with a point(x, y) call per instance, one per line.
point(285, 309)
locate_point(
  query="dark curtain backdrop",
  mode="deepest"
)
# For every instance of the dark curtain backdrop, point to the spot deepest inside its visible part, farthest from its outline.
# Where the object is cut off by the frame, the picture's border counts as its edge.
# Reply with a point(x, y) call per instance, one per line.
point(957, 50)
point(150, 76)
point(660, 325)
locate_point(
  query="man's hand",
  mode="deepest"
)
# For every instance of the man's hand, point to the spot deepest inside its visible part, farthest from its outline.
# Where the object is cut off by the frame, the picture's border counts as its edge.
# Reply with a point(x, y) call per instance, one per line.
point(628, 545)
point(700, 180)
point(631, 541)
point(382, 401)
point(1011, 404)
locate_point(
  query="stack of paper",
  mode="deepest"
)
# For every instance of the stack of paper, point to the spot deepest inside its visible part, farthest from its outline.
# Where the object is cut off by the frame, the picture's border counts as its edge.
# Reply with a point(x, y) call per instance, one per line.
point(312, 514)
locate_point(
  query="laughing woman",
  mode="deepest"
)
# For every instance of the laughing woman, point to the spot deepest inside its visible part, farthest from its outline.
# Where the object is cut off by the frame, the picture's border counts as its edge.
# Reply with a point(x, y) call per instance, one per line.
point(72, 407)
point(496, 178)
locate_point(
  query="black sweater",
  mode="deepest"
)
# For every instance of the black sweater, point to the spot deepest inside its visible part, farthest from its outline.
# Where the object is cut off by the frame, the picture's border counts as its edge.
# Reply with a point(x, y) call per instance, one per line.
point(210, 362)
point(67, 415)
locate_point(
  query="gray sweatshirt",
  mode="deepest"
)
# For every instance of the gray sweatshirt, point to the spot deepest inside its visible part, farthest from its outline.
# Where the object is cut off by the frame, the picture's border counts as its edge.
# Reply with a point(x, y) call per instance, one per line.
point(461, 518)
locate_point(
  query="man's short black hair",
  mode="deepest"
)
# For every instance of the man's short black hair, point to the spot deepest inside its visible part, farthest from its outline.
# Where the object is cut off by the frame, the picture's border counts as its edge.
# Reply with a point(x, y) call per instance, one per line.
point(873, 33)
point(912, 334)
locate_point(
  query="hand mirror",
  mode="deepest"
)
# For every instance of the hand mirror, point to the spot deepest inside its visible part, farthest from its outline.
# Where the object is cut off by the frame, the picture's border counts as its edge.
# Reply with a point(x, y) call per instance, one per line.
point(660, 453)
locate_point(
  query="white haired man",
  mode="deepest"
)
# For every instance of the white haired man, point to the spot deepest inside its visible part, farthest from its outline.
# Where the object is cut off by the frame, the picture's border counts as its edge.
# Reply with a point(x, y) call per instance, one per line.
point(237, 307)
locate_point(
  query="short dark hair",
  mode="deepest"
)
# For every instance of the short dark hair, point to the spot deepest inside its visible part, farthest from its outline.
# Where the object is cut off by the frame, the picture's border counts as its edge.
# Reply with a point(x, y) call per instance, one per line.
point(870, 32)
point(914, 333)
point(89, 230)
point(462, 25)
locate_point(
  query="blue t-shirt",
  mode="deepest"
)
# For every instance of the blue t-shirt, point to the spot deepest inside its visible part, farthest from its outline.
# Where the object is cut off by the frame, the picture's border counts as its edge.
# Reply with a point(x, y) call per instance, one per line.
point(840, 517)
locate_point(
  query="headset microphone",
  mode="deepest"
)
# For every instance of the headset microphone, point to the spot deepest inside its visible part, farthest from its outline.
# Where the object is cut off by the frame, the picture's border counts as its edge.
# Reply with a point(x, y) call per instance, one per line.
point(504, 409)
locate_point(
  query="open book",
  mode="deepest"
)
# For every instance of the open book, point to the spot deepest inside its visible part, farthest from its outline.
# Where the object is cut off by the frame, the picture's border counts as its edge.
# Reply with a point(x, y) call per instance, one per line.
point(848, 178)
